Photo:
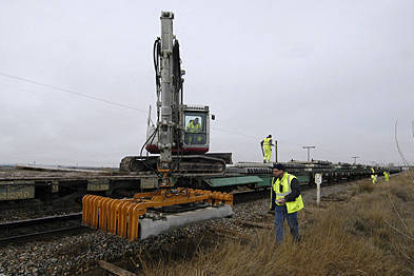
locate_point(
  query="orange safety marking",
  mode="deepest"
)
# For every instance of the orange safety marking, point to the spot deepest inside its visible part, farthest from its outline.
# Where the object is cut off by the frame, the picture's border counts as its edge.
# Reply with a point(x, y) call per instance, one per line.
point(85, 208)
point(121, 218)
point(104, 216)
point(131, 221)
point(114, 207)
point(86, 202)
point(96, 205)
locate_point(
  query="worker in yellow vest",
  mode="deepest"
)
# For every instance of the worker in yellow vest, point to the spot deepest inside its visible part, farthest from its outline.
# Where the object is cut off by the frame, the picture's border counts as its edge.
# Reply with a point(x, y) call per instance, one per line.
point(373, 176)
point(189, 132)
point(286, 200)
point(194, 128)
point(266, 145)
point(189, 126)
point(386, 176)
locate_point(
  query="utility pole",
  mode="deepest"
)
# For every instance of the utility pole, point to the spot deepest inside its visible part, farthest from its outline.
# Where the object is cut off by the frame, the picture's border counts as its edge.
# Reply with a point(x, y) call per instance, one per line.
point(355, 158)
point(276, 151)
point(309, 148)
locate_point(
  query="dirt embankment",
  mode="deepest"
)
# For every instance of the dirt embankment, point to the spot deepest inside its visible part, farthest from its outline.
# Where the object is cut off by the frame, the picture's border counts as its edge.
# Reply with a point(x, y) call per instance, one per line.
point(366, 230)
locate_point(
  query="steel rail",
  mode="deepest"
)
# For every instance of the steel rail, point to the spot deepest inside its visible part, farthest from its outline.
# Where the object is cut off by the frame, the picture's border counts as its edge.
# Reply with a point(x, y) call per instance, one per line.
point(29, 227)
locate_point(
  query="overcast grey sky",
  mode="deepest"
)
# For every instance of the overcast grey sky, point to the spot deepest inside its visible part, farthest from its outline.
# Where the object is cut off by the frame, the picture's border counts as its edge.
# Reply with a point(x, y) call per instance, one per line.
point(336, 74)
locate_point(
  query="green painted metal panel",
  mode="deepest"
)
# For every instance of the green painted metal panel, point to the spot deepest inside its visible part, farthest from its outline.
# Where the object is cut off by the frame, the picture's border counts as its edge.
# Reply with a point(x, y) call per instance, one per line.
point(267, 181)
point(230, 181)
point(303, 179)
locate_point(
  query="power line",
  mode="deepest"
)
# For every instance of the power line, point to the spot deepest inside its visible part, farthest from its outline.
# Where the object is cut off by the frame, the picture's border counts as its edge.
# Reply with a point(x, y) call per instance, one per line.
point(102, 100)
point(71, 92)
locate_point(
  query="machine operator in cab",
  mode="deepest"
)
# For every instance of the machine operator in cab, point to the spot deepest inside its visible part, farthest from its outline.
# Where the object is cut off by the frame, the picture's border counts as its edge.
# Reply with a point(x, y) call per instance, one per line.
point(193, 128)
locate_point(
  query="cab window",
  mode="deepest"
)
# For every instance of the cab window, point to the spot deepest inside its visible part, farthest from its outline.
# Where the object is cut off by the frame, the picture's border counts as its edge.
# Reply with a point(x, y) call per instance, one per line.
point(195, 129)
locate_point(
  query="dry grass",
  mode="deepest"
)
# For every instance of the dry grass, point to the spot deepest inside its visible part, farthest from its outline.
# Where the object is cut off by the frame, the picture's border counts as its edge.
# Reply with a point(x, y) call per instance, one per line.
point(371, 234)
point(365, 186)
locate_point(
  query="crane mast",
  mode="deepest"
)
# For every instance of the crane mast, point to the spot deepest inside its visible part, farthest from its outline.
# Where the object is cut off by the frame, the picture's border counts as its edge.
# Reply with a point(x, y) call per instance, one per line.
point(167, 105)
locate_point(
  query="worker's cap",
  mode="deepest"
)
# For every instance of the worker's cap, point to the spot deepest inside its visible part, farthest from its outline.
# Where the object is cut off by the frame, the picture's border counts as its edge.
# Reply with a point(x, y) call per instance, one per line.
point(269, 136)
point(279, 166)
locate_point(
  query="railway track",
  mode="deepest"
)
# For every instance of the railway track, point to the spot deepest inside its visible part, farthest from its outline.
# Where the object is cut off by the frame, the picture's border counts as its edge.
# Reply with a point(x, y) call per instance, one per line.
point(30, 229)
point(36, 228)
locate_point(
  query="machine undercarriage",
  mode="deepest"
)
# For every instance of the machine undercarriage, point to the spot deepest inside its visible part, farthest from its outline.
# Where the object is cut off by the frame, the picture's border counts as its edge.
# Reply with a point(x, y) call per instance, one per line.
point(206, 163)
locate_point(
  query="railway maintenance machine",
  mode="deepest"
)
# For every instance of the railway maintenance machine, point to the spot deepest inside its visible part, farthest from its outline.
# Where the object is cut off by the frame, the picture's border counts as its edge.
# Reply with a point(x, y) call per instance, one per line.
point(181, 138)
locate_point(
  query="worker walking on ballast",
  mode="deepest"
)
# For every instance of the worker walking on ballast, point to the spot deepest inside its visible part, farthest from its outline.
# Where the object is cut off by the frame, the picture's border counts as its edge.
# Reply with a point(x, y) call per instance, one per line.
point(286, 200)
point(266, 145)
point(373, 176)
point(386, 176)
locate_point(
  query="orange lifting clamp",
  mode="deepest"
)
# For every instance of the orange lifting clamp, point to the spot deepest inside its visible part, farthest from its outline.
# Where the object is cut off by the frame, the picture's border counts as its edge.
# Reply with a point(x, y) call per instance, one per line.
point(122, 216)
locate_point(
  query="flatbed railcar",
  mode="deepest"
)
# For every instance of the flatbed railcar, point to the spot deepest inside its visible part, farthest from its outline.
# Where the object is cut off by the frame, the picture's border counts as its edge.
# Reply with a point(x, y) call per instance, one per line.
point(19, 184)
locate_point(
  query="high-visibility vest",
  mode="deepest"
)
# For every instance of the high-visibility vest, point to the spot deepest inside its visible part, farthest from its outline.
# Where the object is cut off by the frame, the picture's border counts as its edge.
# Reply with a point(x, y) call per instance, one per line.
point(267, 142)
point(292, 206)
point(374, 178)
point(372, 170)
point(193, 128)
point(189, 127)
point(197, 128)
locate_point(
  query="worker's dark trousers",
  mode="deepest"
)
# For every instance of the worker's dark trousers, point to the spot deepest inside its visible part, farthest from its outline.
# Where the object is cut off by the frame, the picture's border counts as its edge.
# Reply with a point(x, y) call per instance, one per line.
point(292, 219)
